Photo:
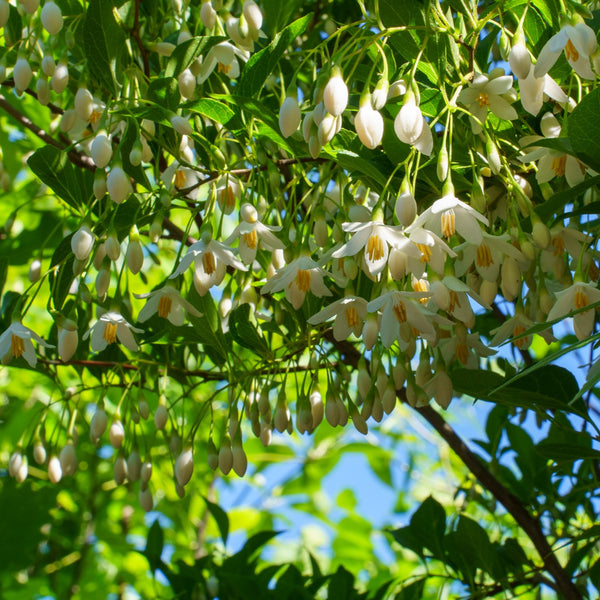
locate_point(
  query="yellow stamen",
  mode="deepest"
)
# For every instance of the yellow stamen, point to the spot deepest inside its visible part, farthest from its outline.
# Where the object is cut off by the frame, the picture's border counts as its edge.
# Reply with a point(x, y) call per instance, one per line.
point(454, 301)
point(581, 300)
point(518, 330)
point(227, 199)
point(341, 268)
point(110, 333)
point(303, 280)
point(180, 178)
point(375, 248)
point(351, 317)
point(558, 165)
point(448, 223)
point(559, 246)
point(164, 306)
point(400, 312)
point(223, 68)
point(462, 353)
point(420, 285)
point(208, 262)
point(571, 51)
point(95, 116)
point(484, 255)
point(250, 239)
point(483, 99)
point(425, 252)
point(17, 345)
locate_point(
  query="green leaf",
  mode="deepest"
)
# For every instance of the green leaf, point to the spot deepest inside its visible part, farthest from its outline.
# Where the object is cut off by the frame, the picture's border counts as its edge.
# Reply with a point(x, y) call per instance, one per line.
point(104, 42)
point(278, 14)
point(164, 91)
point(61, 283)
point(245, 333)
point(69, 183)
point(13, 30)
point(428, 524)
point(263, 63)
point(341, 585)
point(583, 127)
point(555, 204)
point(214, 110)
point(154, 546)
point(220, 516)
point(129, 138)
point(187, 52)
point(566, 452)
point(413, 591)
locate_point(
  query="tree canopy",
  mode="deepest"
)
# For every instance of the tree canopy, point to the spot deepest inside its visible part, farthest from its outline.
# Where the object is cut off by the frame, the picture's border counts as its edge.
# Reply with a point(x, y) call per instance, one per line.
point(239, 235)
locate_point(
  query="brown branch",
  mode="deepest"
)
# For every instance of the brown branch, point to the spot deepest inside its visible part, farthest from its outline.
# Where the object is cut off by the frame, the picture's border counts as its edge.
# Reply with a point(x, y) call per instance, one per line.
point(79, 160)
point(57, 110)
point(511, 503)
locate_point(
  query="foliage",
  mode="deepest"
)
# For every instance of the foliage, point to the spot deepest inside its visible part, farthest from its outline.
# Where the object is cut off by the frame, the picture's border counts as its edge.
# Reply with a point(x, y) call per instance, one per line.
point(228, 224)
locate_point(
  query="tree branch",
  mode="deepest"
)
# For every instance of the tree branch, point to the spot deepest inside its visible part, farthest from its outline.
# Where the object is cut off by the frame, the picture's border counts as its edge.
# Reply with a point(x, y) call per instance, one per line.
point(511, 503)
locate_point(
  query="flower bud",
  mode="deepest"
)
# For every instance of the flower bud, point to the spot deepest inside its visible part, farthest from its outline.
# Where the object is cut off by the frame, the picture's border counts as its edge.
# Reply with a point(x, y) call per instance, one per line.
point(380, 94)
point(22, 75)
point(443, 391)
point(52, 19)
point(161, 416)
point(146, 472)
point(67, 340)
point(42, 89)
point(225, 456)
point(68, 459)
point(116, 434)
point(48, 65)
point(82, 243)
point(184, 467)
point(187, 84)
point(14, 463)
point(84, 104)
point(118, 185)
point(60, 78)
point(289, 116)
point(406, 207)
point(134, 256)
point(208, 15)
point(120, 470)
point(112, 246)
point(519, 60)
point(511, 278)
point(181, 125)
point(266, 434)
point(408, 123)
point(370, 332)
point(54, 470)
point(240, 460)
point(145, 499)
point(252, 15)
point(493, 156)
point(369, 125)
point(541, 235)
point(35, 271)
point(101, 150)
point(99, 186)
point(335, 95)
point(23, 470)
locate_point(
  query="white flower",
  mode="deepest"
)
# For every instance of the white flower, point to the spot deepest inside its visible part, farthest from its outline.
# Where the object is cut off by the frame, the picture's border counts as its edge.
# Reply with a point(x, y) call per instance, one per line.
point(464, 347)
point(449, 215)
point(487, 256)
point(211, 260)
point(251, 232)
point(110, 327)
point(350, 314)
point(169, 304)
point(369, 124)
point(534, 88)
point(515, 326)
point(399, 310)
point(302, 275)
point(577, 296)
point(552, 163)
point(431, 248)
point(16, 342)
point(578, 42)
point(485, 92)
point(376, 238)
point(225, 57)
point(412, 128)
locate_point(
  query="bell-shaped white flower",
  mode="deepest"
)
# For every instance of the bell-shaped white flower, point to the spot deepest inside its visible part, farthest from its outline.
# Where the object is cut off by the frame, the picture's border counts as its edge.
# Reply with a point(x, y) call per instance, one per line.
point(368, 123)
point(349, 312)
point(252, 233)
point(101, 150)
point(579, 43)
point(52, 18)
point(486, 92)
point(225, 58)
point(16, 341)
point(118, 184)
point(208, 15)
point(109, 328)
point(577, 296)
point(408, 123)
point(299, 277)
point(449, 215)
point(168, 303)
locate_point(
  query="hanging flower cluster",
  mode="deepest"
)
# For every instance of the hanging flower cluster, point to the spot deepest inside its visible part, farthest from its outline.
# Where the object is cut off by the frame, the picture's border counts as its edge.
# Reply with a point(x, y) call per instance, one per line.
point(385, 214)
